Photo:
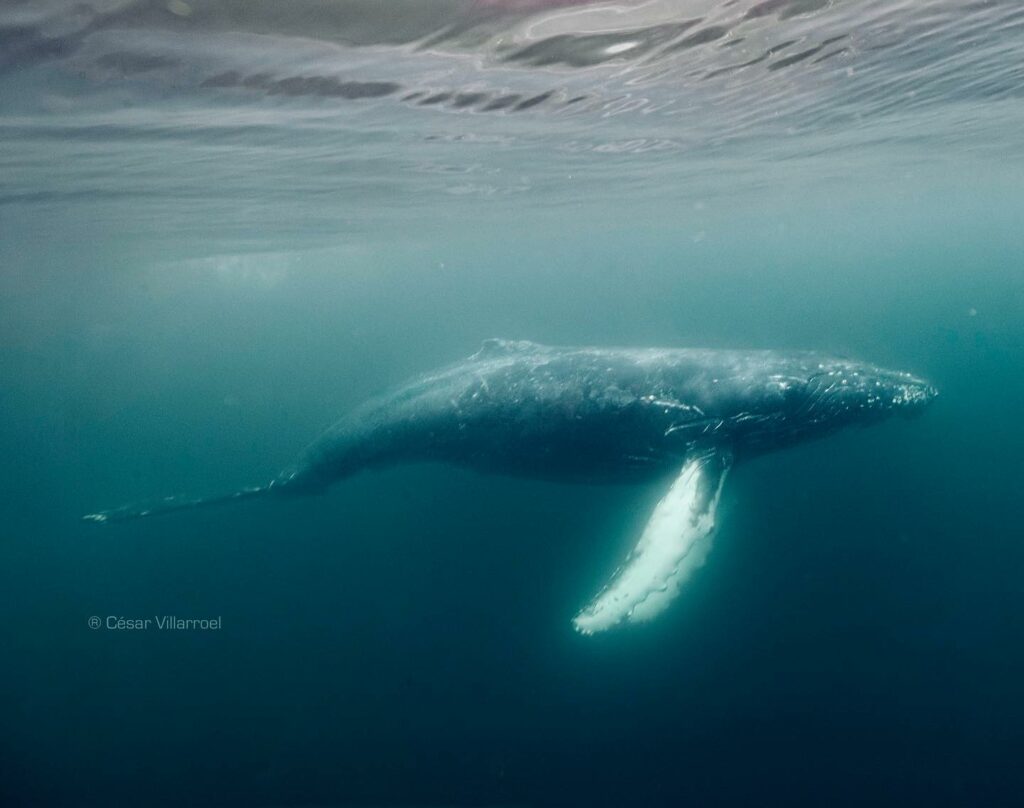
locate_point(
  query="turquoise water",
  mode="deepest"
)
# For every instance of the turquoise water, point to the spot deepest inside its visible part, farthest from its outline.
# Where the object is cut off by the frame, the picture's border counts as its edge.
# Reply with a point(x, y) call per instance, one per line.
point(224, 225)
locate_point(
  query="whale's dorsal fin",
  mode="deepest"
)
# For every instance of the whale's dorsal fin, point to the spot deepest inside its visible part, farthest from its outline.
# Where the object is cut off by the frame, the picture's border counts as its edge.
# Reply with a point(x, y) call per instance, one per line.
point(674, 543)
point(504, 347)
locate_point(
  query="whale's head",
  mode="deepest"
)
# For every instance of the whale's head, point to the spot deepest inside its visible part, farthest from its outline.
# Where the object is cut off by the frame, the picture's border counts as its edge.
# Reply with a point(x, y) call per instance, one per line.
point(839, 392)
point(802, 397)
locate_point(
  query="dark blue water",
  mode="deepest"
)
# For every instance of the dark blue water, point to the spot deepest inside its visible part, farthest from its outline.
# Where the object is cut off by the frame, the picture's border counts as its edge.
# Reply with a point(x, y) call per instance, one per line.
point(193, 285)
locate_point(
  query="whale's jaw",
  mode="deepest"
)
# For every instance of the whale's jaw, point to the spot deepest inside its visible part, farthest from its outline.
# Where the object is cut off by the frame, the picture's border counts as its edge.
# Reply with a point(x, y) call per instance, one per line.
point(846, 393)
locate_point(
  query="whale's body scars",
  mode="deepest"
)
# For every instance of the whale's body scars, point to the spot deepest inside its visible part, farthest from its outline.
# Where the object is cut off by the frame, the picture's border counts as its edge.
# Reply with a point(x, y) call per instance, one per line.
point(674, 543)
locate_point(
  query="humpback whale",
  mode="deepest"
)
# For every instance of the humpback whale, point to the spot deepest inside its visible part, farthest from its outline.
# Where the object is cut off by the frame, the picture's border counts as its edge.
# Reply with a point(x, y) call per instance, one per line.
point(602, 414)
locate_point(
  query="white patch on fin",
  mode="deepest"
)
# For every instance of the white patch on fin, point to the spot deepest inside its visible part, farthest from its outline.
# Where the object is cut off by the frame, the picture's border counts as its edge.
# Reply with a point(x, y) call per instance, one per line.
point(675, 542)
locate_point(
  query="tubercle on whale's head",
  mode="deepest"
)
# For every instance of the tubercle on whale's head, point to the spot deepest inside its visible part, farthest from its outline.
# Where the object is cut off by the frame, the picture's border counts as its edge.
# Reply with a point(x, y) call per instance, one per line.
point(842, 392)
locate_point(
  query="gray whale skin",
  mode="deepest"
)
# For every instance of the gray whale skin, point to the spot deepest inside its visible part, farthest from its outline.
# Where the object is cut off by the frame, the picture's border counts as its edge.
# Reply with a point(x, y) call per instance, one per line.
point(602, 415)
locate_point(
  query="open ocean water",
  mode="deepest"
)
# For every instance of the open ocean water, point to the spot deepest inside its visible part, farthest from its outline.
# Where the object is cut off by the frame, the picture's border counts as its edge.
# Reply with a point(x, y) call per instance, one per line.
point(225, 223)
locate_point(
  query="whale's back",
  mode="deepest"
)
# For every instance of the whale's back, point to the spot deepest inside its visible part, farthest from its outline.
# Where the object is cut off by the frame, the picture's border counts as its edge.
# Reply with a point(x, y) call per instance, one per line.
point(517, 407)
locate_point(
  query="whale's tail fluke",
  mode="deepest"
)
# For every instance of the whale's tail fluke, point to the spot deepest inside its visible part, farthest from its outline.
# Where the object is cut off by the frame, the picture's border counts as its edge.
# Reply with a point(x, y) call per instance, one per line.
point(172, 504)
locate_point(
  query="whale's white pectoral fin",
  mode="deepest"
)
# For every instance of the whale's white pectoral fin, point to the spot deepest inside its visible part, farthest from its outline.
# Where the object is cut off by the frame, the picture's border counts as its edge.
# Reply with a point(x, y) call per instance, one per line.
point(674, 543)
